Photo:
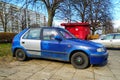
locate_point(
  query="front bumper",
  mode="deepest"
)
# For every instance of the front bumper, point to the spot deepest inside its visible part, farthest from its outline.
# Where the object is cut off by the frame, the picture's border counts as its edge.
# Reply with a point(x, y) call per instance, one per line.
point(99, 58)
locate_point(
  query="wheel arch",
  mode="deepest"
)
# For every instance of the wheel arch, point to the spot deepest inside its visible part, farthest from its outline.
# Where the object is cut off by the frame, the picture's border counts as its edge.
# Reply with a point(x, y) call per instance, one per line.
point(17, 49)
point(77, 51)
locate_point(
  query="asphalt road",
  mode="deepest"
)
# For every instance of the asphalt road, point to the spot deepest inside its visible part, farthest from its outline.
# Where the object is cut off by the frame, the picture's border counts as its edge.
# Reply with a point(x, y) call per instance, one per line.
point(40, 69)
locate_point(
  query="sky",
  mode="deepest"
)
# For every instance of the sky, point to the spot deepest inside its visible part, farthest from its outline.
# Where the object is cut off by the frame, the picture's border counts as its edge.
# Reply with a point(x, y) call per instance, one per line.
point(115, 12)
point(116, 9)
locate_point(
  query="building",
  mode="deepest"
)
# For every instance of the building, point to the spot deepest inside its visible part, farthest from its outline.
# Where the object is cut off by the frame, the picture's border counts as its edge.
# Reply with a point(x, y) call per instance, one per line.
point(14, 19)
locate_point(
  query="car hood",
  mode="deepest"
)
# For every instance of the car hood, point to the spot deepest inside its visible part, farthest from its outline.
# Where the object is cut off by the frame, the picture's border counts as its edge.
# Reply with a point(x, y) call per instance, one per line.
point(85, 43)
point(96, 40)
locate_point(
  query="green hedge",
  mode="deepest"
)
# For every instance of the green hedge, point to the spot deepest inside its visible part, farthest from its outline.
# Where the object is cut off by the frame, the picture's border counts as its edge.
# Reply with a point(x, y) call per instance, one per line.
point(6, 37)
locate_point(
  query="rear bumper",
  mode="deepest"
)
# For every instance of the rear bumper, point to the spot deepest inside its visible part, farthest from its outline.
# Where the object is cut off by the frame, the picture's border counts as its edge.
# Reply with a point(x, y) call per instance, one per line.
point(99, 58)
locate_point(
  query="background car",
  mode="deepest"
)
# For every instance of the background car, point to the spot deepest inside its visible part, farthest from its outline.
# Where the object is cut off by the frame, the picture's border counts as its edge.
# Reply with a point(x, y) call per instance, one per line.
point(110, 40)
point(58, 44)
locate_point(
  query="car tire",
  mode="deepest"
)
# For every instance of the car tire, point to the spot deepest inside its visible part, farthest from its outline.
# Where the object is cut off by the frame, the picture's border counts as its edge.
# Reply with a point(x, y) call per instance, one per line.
point(80, 60)
point(20, 55)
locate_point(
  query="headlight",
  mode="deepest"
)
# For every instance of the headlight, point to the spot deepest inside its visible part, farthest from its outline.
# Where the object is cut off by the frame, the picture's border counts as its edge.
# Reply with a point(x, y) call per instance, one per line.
point(100, 50)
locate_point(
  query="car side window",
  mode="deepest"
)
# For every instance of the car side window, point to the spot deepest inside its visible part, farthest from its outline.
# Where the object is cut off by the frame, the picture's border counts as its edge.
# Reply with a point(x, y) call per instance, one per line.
point(65, 34)
point(33, 34)
point(108, 37)
point(117, 36)
point(49, 34)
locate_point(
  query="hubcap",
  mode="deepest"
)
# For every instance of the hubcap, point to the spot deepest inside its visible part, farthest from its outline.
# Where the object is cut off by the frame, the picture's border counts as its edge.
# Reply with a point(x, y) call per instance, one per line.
point(78, 60)
point(20, 55)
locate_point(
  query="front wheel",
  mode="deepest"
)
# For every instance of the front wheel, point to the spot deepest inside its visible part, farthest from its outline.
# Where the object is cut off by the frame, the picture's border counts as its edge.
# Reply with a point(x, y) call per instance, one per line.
point(20, 55)
point(80, 60)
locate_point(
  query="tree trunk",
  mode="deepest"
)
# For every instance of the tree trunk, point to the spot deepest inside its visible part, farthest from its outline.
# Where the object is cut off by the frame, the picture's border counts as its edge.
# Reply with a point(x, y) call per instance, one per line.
point(93, 30)
point(5, 28)
point(50, 17)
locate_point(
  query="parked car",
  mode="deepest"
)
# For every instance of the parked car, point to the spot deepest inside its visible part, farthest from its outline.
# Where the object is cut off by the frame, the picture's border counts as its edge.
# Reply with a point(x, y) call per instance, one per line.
point(58, 44)
point(110, 40)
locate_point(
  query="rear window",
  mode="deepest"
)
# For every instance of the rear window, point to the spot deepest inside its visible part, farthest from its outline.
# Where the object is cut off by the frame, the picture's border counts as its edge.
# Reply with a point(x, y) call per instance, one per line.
point(33, 34)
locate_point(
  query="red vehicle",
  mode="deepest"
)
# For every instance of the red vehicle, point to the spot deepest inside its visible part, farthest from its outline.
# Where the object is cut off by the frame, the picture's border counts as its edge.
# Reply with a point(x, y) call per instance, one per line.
point(80, 30)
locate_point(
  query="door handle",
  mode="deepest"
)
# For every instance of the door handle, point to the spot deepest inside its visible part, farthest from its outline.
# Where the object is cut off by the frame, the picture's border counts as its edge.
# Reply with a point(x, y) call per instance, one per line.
point(23, 42)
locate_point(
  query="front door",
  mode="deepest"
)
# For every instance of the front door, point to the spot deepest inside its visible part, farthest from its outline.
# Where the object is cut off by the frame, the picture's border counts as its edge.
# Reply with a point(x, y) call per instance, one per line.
point(107, 40)
point(52, 48)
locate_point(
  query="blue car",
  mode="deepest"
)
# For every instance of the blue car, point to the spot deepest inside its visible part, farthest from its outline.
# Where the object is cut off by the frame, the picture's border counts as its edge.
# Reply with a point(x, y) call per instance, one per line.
point(58, 44)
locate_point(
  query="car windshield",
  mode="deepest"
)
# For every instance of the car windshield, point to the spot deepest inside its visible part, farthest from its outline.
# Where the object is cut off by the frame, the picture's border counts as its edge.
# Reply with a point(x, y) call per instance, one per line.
point(102, 36)
point(66, 34)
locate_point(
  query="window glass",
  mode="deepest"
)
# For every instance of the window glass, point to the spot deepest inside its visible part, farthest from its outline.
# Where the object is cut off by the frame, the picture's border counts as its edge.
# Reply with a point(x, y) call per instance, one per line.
point(108, 37)
point(117, 36)
point(49, 34)
point(33, 34)
point(66, 34)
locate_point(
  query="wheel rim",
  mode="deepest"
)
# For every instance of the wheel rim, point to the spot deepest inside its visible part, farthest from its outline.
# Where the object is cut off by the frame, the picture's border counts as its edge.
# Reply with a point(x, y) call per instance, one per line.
point(78, 60)
point(20, 55)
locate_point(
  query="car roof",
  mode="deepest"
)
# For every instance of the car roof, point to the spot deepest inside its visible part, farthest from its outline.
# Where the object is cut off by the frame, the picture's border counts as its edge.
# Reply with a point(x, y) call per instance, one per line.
point(47, 27)
point(112, 33)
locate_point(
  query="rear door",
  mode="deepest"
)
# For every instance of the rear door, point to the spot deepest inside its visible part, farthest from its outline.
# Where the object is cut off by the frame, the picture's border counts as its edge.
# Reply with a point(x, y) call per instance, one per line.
point(116, 41)
point(31, 42)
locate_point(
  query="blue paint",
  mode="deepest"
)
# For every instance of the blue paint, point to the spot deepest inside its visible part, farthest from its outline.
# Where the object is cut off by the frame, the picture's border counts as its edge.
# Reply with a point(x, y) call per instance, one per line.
point(16, 40)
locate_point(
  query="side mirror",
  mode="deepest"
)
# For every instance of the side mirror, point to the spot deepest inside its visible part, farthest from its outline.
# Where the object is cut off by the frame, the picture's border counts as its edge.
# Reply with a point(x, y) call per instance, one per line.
point(58, 38)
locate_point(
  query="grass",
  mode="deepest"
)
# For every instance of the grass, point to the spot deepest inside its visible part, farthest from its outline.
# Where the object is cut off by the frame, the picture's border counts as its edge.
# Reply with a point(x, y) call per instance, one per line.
point(5, 49)
point(5, 53)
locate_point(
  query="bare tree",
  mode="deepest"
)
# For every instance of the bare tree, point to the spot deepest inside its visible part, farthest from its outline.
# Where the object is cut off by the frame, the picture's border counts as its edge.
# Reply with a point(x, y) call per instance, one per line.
point(99, 14)
point(4, 16)
point(51, 6)
point(7, 15)
point(65, 11)
point(94, 11)
point(81, 6)
point(21, 18)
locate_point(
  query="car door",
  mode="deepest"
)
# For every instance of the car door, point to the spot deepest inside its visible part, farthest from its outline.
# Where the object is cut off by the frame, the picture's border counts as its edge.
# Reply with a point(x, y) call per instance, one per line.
point(107, 40)
point(116, 41)
point(52, 48)
point(31, 42)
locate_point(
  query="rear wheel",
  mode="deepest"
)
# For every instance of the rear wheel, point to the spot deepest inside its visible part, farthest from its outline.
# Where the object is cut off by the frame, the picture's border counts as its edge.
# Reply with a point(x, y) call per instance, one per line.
point(80, 60)
point(20, 55)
